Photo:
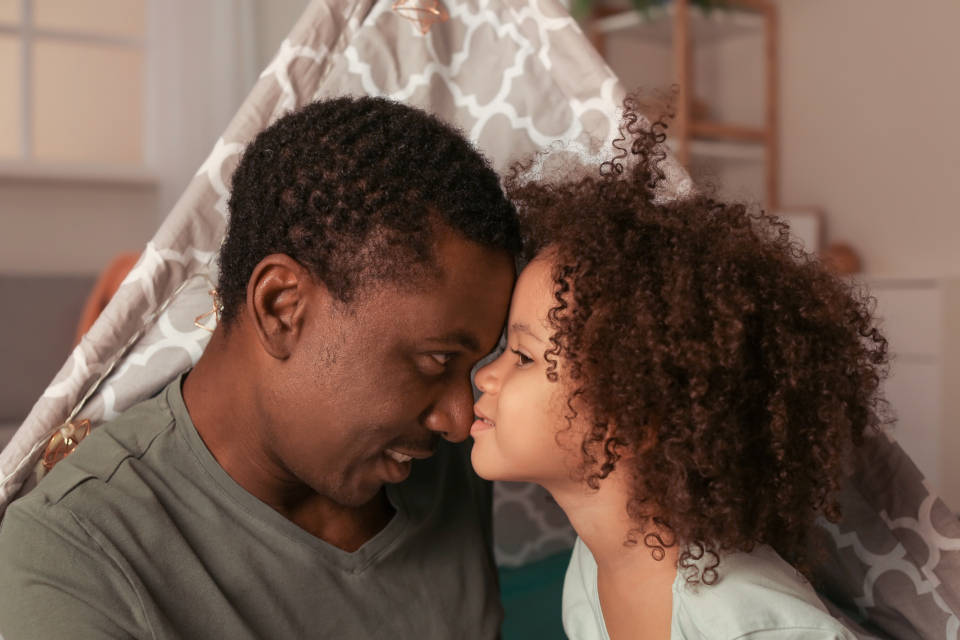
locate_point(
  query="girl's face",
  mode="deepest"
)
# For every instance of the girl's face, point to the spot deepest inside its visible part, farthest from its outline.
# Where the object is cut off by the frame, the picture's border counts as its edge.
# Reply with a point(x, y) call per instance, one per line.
point(520, 432)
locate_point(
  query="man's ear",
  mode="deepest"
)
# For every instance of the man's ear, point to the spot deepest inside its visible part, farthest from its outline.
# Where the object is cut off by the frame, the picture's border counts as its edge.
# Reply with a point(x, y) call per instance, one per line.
point(277, 295)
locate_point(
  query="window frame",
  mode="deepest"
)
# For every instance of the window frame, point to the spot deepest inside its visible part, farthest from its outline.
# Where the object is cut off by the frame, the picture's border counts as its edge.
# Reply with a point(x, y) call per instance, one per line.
point(25, 166)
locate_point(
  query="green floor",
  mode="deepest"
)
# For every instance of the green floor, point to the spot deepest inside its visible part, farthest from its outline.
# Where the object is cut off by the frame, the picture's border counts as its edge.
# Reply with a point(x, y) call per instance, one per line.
point(531, 599)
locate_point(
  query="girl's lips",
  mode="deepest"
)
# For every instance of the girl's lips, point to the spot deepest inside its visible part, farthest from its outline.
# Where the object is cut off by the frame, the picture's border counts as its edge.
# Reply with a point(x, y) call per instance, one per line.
point(480, 424)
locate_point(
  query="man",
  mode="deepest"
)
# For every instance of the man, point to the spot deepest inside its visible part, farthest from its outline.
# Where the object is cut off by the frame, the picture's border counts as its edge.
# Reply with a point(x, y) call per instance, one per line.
point(310, 476)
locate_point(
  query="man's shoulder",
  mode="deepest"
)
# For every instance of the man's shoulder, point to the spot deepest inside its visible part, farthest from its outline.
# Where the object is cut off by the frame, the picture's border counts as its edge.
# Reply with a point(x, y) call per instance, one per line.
point(756, 594)
point(94, 464)
point(90, 496)
point(56, 558)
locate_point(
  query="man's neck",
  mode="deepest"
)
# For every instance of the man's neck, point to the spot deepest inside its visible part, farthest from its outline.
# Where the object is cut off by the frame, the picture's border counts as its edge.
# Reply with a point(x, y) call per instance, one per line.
point(347, 528)
point(224, 409)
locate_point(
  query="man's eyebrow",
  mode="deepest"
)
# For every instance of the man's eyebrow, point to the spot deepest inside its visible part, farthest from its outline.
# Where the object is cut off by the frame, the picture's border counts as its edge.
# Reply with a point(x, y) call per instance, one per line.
point(462, 338)
point(524, 328)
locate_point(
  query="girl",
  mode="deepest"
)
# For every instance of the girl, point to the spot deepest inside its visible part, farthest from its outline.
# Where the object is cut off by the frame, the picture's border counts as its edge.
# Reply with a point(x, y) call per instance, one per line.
point(689, 386)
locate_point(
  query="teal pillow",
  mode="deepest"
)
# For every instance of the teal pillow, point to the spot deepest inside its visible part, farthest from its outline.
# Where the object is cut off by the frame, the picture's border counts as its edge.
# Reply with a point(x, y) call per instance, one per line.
point(531, 597)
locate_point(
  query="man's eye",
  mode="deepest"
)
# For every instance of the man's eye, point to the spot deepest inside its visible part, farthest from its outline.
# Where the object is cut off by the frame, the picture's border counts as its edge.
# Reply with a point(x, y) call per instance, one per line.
point(441, 358)
point(522, 358)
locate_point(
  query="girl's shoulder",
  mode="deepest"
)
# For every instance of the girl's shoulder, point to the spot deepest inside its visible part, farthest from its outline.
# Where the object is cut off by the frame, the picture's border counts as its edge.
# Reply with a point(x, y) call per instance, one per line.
point(757, 595)
point(582, 615)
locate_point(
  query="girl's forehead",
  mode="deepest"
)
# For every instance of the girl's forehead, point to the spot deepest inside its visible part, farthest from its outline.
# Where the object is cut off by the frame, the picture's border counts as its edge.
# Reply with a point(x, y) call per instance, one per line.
point(533, 294)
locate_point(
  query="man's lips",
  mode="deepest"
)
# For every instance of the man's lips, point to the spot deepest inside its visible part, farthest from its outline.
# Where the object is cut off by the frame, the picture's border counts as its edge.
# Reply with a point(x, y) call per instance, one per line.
point(406, 455)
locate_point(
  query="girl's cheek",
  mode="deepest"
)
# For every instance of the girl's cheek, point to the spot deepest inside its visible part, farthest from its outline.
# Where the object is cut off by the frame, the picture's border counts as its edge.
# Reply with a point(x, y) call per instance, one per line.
point(522, 408)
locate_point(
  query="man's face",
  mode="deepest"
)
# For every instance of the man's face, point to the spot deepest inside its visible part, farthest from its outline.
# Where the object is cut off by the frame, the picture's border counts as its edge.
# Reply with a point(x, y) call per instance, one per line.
point(373, 385)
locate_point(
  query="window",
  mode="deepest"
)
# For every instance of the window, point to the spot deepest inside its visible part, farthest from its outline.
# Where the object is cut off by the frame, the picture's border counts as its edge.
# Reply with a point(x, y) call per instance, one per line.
point(72, 81)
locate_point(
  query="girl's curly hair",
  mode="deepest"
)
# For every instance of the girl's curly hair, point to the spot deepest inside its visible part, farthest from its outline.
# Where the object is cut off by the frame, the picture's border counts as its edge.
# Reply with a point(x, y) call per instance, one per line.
point(736, 371)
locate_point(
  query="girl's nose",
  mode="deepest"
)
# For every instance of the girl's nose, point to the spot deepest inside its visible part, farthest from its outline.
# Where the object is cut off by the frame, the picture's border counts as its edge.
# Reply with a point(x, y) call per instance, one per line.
point(486, 377)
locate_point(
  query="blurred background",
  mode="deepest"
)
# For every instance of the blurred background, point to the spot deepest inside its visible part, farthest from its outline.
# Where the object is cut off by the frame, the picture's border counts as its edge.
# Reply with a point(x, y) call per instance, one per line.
point(838, 114)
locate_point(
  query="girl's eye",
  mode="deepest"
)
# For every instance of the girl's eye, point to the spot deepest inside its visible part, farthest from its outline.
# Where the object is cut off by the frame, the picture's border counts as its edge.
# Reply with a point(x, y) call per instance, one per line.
point(441, 358)
point(522, 358)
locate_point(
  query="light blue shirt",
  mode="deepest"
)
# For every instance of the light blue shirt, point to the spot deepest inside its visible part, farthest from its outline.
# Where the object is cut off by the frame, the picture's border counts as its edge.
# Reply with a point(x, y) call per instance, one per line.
point(758, 597)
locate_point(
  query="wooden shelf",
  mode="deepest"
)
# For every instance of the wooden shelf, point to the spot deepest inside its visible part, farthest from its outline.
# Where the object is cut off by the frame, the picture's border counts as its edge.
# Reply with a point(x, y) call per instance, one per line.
point(34, 171)
point(731, 132)
point(722, 150)
point(657, 23)
point(681, 26)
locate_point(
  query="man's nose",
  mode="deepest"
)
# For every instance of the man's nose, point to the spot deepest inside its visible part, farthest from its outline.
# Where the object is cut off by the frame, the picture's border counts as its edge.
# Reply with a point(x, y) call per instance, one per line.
point(452, 415)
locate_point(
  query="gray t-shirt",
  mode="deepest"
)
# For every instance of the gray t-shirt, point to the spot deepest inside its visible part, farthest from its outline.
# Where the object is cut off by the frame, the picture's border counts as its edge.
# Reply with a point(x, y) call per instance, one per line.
point(140, 533)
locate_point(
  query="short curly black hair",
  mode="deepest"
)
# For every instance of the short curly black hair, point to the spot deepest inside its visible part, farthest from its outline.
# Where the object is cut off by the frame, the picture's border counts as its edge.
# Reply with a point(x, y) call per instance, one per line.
point(729, 369)
point(353, 189)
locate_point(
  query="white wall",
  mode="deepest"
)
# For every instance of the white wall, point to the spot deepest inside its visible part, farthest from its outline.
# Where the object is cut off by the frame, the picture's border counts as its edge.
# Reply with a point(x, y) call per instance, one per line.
point(870, 131)
point(869, 102)
point(67, 227)
point(869, 126)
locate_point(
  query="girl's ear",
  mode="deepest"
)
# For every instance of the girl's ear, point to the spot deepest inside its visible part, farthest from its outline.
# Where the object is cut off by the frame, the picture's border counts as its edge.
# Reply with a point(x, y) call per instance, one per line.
point(647, 437)
point(615, 446)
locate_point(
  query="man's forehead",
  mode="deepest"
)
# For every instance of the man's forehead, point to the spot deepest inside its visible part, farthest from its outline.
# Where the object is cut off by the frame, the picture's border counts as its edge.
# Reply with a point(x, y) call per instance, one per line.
point(456, 301)
point(442, 317)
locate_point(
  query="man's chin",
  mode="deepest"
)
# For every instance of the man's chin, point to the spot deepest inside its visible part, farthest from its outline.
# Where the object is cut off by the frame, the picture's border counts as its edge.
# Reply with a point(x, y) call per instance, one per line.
point(359, 496)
